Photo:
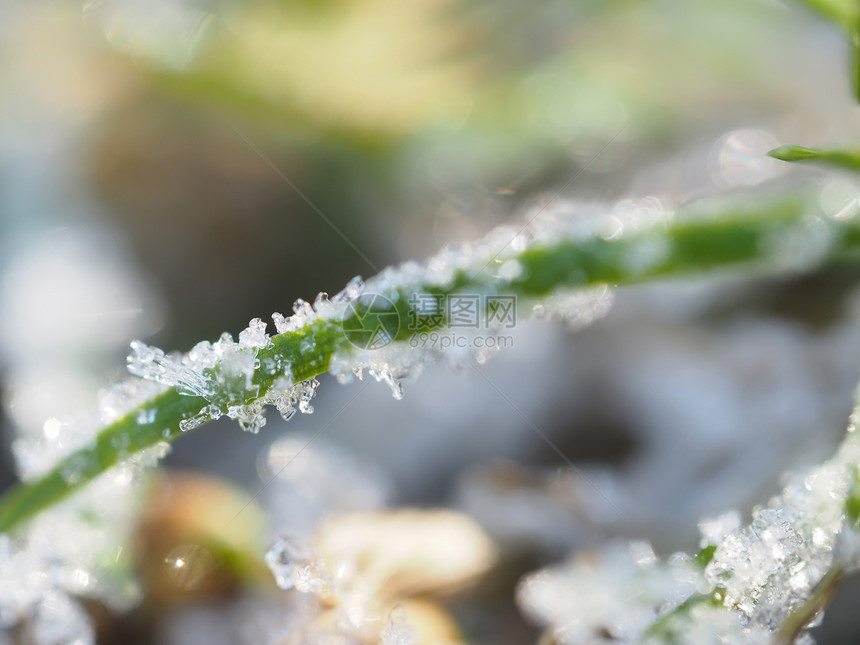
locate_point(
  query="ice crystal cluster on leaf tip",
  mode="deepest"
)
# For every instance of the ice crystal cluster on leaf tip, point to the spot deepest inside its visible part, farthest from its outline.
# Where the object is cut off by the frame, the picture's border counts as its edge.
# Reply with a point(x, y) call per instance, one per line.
point(756, 577)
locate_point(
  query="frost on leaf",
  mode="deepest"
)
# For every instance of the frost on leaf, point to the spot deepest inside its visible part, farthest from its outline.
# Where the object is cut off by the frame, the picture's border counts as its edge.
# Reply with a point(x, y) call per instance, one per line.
point(223, 373)
point(238, 379)
point(610, 596)
point(758, 576)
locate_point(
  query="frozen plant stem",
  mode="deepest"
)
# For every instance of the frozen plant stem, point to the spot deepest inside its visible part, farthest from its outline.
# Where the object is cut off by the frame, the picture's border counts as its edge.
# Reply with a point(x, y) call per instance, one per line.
point(765, 582)
point(762, 236)
point(818, 601)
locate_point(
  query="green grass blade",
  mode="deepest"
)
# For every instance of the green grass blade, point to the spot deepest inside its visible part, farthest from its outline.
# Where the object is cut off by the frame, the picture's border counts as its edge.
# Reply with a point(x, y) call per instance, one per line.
point(846, 13)
point(840, 11)
point(689, 245)
point(847, 158)
point(854, 32)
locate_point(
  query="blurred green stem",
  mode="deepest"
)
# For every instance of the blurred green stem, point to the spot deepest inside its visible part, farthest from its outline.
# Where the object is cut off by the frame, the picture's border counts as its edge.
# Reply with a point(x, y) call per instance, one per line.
point(843, 12)
point(847, 158)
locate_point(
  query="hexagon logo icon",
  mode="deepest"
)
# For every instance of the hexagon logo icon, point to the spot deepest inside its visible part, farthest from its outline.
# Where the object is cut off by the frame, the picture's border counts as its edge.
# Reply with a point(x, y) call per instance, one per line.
point(371, 321)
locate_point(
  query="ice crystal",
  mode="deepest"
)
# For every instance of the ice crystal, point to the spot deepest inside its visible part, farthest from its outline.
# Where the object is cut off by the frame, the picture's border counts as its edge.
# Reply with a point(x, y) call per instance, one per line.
point(769, 567)
point(284, 396)
point(397, 630)
point(284, 557)
point(294, 567)
point(223, 372)
point(255, 336)
point(764, 570)
point(705, 624)
point(611, 596)
point(490, 266)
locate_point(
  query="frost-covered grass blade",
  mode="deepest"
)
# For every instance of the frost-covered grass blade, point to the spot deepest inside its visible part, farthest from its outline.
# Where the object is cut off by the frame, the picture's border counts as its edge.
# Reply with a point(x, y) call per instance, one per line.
point(763, 583)
point(555, 264)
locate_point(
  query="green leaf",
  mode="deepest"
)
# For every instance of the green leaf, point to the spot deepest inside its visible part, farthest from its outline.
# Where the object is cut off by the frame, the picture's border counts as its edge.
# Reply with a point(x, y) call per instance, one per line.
point(854, 32)
point(843, 12)
point(852, 503)
point(847, 158)
point(847, 14)
point(704, 556)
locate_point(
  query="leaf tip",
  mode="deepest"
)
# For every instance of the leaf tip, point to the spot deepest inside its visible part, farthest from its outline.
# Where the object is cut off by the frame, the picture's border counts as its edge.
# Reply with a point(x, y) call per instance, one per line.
point(792, 153)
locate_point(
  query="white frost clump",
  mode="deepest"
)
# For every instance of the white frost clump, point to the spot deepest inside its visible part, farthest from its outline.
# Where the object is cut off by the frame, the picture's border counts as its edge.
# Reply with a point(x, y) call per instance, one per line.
point(293, 566)
point(612, 596)
point(715, 529)
point(622, 593)
point(769, 567)
point(759, 574)
point(390, 365)
point(223, 374)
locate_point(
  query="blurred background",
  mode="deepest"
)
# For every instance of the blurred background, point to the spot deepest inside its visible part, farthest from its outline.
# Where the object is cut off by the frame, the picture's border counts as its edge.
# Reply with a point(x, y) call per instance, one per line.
point(169, 170)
